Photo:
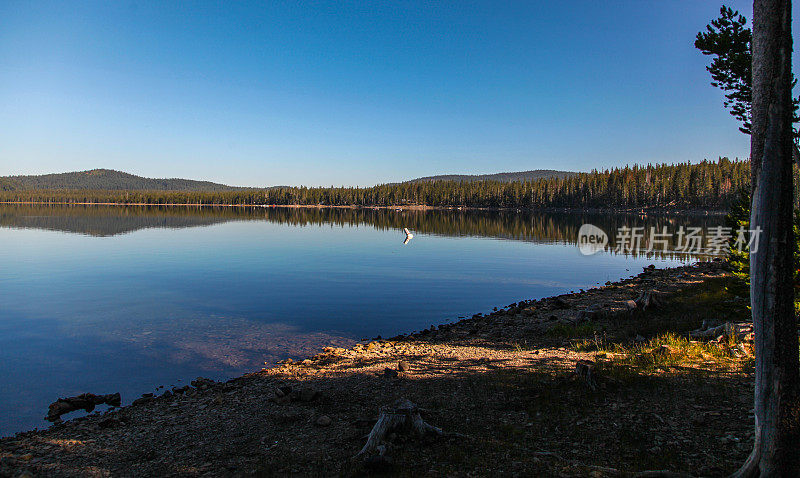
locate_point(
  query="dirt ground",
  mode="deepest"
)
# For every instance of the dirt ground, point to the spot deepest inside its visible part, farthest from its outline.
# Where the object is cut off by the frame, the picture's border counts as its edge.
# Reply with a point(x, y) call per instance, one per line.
point(501, 387)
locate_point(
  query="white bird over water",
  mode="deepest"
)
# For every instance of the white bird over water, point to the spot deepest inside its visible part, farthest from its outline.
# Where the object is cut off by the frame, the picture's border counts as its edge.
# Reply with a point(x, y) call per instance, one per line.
point(409, 236)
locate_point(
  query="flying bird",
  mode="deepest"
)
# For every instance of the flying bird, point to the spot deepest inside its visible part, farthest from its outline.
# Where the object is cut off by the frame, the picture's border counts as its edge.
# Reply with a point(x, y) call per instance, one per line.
point(409, 236)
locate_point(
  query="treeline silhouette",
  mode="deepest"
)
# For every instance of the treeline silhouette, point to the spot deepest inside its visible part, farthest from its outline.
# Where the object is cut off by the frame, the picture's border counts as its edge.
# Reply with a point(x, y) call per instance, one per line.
point(106, 179)
point(529, 226)
point(709, 185)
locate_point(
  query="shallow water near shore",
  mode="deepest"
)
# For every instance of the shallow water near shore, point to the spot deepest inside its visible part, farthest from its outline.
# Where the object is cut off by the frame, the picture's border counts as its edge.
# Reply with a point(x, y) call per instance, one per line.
point(126, 299)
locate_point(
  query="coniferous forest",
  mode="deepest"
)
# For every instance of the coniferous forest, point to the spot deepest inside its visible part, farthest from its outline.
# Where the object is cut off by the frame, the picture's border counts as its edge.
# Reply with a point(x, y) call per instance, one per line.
point(708, 185)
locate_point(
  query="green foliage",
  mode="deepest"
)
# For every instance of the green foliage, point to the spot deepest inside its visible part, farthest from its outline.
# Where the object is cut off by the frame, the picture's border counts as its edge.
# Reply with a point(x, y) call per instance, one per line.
point(739, 257)
point(729, 40)
point(739, 260)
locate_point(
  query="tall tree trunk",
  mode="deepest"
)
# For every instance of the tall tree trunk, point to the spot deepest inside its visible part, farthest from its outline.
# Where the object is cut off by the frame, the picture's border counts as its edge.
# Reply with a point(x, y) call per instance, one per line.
point(777, 390)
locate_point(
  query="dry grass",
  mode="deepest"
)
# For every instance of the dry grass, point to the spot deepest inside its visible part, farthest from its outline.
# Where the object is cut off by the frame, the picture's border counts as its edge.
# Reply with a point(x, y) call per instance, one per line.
point(669, 351)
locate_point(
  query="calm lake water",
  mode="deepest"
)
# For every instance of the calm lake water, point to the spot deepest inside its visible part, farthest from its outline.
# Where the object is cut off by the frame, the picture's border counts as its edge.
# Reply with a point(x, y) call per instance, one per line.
point(126, 299)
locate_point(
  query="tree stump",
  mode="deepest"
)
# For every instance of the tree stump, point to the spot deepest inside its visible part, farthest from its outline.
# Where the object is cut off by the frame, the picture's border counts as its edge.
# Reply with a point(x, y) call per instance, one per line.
point(403, 416)
point(585, 370)
point(647, 299)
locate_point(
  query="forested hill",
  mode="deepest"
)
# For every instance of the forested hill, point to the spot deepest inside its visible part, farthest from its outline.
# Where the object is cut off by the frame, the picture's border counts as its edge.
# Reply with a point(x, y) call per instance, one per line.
point(107, 180)
point(499, 177)
point(709, 185)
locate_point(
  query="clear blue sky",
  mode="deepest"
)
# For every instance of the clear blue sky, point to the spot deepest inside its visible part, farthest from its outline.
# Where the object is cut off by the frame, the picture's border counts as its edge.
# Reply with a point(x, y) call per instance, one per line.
point(353, 93)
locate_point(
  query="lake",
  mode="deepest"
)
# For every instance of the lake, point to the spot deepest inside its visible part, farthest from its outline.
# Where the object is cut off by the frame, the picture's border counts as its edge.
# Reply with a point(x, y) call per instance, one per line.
point(107, 299)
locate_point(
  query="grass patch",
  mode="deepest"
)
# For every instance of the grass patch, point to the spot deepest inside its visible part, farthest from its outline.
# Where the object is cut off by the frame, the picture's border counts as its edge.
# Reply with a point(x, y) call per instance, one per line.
point(686, 310)
point(522, 347)
point(570, 331)
point(665, 352)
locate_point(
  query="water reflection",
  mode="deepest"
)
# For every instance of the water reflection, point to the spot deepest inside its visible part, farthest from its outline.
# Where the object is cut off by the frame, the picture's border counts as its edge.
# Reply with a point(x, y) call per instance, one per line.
point(104, 299)
point(539, 227)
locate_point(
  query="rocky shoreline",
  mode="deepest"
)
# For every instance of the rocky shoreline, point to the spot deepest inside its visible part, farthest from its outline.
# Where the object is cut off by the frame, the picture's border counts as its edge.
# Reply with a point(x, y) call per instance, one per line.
point(501, 387)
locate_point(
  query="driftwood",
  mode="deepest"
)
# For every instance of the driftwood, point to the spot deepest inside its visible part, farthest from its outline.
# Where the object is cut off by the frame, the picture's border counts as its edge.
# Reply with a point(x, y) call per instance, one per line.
point(85, 401)
point(585, 370)
point(726, 330)
point(403, 416)
point(647, 299)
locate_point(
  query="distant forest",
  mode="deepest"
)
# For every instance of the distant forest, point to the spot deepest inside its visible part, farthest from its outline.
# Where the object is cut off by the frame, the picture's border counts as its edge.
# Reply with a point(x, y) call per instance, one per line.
point(502, 177)
point(106, 179)
point(709, 185)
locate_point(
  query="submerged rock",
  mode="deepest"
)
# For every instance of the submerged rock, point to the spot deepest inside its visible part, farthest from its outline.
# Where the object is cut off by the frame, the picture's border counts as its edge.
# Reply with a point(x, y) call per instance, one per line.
point(202, 383)
point(323, 421)
point(86, 401)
